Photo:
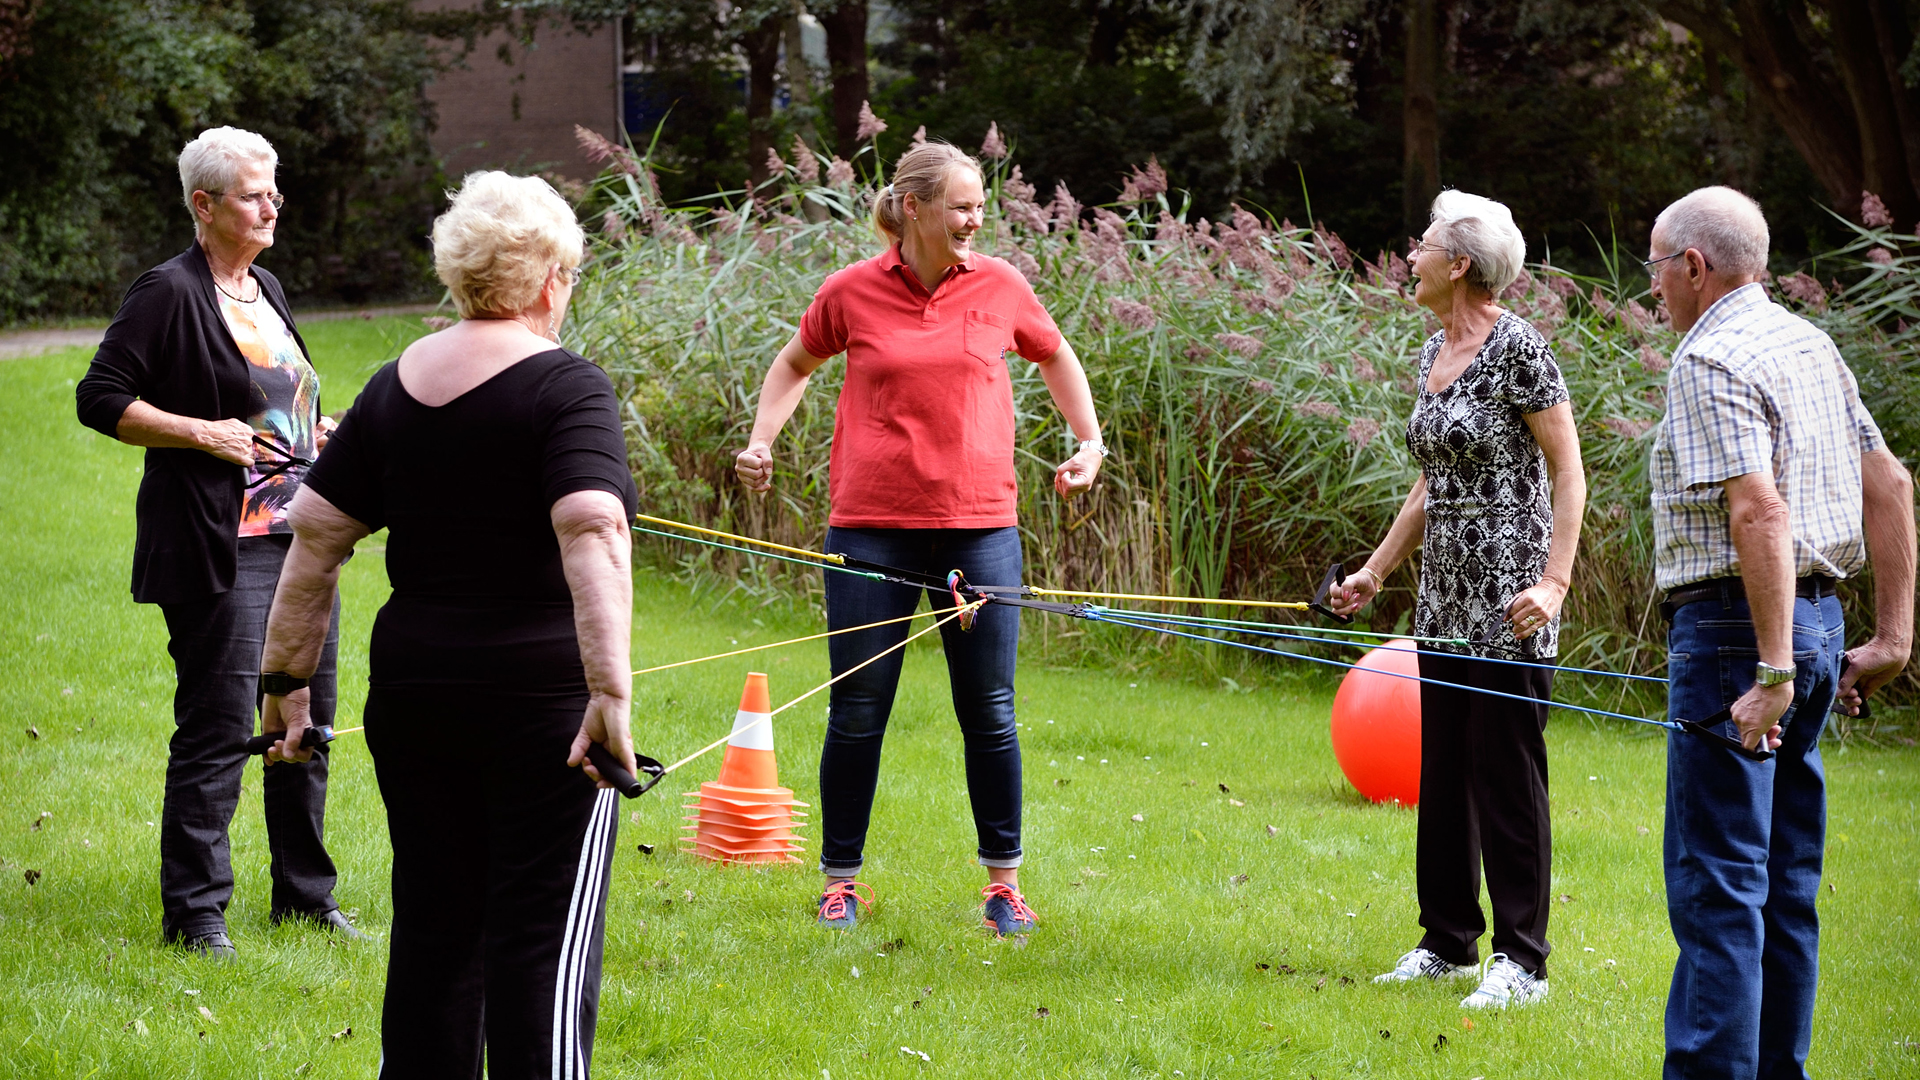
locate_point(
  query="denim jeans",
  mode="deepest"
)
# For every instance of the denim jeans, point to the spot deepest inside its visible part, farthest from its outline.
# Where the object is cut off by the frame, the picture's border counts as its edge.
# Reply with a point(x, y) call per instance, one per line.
point(216, 643)
point(1744, 841)
point(979, 668)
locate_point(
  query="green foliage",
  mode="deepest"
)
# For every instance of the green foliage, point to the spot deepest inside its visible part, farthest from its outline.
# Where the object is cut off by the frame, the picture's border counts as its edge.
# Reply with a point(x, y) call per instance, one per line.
point(1252, 378)
point(93, 119)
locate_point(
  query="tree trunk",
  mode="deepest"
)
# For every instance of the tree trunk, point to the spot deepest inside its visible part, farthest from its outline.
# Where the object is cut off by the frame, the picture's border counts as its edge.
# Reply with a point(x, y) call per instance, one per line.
point(1780, 71)
point(1883, 153)
point(1420, 115)
point(1109, 27)
point(799, 78)
point(846, 27)
point(1895, 41)
point(762, 45)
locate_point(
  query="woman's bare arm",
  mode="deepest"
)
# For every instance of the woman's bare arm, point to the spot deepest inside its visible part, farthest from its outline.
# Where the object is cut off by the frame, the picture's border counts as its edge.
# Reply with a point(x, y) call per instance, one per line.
point(1409, 527)
point(1531, 610)
point(780, 394)
point(147, 425)
point(1067, 383)
point(596, 550)
point(323, 537)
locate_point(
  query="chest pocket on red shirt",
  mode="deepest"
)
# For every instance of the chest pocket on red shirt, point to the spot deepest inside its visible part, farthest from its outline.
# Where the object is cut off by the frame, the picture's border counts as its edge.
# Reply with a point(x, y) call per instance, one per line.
point(986, 335)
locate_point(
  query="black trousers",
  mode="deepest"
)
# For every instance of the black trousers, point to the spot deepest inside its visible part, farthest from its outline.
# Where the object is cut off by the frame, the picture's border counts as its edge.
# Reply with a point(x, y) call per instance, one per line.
point(501, 855)
point(1483, 797)
point(216, 643)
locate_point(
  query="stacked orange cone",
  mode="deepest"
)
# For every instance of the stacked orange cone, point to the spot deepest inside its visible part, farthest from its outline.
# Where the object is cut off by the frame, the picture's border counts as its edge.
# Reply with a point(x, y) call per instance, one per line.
point(746, 816)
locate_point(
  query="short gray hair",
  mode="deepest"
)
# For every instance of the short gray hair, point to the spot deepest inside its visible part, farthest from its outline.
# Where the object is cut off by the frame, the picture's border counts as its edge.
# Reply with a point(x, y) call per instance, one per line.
point(1723, 224)
point(496, 244)
point(1483, 231)
point(215, 157)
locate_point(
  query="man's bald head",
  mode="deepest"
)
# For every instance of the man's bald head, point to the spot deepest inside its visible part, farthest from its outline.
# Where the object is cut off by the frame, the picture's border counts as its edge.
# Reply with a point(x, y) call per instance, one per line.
point(1721, 224)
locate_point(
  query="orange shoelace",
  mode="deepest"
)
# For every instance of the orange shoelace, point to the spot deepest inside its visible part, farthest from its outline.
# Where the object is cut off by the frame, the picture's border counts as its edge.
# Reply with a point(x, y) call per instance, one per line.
point(1014, 900)
point(833, 903)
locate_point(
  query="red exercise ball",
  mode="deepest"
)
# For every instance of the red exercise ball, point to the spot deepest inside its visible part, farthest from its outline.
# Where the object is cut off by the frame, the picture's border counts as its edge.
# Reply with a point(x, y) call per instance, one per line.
point(1376, 724)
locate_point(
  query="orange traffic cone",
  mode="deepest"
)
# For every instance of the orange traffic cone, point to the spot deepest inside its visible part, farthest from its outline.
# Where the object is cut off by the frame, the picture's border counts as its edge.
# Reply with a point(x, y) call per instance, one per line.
point(746, 816)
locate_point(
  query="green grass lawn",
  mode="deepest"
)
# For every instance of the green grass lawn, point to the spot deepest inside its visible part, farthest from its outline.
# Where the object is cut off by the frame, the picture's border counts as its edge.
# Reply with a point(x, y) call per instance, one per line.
point(1224, 934)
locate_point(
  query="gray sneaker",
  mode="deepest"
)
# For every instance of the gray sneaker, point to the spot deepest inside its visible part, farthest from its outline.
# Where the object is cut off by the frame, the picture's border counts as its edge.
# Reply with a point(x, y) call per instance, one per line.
point(1426, 964)
point(1507, 984)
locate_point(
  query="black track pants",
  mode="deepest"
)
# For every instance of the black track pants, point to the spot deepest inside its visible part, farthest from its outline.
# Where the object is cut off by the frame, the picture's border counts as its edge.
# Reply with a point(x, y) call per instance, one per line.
point(215, 643)
point(1483, 797)
point(500, 861)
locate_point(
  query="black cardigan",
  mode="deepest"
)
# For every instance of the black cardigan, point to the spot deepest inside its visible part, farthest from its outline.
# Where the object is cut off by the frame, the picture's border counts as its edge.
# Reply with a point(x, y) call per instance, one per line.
point(170, 347)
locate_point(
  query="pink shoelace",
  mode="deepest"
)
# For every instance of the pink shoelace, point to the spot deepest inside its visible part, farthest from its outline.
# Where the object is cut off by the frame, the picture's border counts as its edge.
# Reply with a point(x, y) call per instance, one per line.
point(1014, 900)
point(833, 903)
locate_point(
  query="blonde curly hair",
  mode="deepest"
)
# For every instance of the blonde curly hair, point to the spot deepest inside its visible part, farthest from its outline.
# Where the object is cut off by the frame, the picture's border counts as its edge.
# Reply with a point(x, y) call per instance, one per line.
point(497, 242)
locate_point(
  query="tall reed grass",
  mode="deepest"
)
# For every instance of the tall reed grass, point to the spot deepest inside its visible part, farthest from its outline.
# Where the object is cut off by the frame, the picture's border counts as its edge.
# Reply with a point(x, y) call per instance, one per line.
point(1252, 377)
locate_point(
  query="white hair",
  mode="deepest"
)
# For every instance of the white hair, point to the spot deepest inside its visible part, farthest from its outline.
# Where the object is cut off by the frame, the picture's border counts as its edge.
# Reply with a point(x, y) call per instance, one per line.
point(495, 245)
point(1720, 223)
point(213, 160)
point(1484, 232)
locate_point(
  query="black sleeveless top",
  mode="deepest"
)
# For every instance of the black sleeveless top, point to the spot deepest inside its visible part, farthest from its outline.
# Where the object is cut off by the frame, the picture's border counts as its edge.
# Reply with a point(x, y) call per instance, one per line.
point(466, 491)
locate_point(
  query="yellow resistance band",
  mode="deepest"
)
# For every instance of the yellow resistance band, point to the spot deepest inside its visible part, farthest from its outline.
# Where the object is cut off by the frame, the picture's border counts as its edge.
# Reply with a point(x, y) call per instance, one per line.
point(1288, 605)
point(834, 559)
point(722, 740)
point(790, 641)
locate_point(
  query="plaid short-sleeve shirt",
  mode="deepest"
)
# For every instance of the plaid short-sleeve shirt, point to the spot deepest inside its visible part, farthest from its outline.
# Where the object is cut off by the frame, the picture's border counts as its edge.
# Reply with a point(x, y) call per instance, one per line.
point(1756, 388)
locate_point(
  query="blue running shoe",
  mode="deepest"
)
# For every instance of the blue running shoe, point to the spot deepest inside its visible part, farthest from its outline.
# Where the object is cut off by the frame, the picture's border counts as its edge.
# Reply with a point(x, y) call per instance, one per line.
point(837, 908)
point(1007, 911)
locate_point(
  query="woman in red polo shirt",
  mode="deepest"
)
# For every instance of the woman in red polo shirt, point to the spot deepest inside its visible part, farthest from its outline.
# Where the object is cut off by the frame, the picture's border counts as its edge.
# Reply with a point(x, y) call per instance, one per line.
point(921, 478)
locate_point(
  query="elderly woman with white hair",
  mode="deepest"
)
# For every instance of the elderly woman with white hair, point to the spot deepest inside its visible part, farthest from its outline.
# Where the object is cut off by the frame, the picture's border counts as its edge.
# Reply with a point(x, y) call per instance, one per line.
point(502, 654)
point(202, 365)
point(1497, 512)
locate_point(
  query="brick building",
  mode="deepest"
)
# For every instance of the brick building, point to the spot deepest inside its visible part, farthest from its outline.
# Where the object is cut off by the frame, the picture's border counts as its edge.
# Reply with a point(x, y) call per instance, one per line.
point(513, 106)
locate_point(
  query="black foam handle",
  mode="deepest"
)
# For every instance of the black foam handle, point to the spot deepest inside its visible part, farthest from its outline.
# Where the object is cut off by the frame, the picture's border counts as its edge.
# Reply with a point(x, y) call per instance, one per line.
point(313, 739)
point(1322, 597)
point(616, 774)
point(1705, 729)
point(1866, 710)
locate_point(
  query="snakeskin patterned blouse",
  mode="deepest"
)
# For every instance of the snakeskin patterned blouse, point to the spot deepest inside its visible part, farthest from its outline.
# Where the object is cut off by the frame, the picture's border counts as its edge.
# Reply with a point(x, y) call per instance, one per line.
point(1489, 506)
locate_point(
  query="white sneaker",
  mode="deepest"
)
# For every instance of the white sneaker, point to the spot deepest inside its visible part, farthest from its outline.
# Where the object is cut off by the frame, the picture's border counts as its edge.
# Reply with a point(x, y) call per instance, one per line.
point(1507, 984)
point(1425, 964)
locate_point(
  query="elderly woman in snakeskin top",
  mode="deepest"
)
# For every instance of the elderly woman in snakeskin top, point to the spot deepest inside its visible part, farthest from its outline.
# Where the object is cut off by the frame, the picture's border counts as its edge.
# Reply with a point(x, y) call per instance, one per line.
point(1497, 511)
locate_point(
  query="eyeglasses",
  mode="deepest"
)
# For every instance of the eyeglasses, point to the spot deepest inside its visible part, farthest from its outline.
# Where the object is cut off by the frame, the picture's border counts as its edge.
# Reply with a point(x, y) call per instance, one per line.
point(568, 274)
point(257, 198)
point(1653, 265)
point(1415, 246)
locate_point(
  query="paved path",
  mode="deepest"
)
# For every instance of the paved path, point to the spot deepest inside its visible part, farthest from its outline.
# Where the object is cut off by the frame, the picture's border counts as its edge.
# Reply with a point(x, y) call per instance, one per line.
point(34, 342)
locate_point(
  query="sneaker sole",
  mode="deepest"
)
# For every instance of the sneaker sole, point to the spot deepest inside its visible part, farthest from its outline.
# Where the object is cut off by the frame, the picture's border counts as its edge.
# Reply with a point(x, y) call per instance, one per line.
point(1514, 1002)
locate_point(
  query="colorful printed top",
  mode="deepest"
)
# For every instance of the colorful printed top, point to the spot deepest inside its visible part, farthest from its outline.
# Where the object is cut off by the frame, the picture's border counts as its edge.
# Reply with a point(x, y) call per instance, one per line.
point(285, 401)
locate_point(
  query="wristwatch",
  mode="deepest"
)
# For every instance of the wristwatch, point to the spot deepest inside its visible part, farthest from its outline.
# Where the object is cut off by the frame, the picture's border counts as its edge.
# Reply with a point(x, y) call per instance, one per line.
point(1768, 675)
point(279, 683)
point(1096, 445)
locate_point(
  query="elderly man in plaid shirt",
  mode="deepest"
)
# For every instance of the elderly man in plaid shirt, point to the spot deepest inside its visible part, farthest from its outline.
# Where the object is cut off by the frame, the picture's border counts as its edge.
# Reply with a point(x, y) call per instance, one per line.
point(1770, 483)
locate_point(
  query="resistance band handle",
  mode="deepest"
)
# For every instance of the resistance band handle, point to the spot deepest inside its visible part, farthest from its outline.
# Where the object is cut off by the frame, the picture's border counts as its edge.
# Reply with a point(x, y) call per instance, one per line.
point(1866, 711)
point(1336, 574)
point(1705, 730)
point(616, 774)
point(315, 738)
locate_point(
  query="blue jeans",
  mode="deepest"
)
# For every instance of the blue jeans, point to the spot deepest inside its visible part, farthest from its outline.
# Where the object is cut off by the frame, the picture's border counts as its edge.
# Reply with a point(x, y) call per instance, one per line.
point(1744, 841)
point(979, 669)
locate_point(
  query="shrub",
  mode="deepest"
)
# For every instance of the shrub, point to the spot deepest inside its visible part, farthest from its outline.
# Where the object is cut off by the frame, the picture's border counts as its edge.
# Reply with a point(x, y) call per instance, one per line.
point(1252, 379)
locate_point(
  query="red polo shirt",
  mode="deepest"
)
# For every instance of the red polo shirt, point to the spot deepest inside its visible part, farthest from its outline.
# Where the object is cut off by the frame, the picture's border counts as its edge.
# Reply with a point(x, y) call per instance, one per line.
point(923, 434)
